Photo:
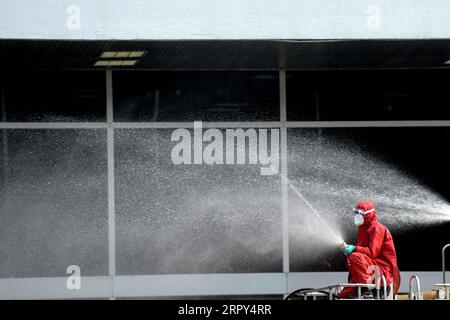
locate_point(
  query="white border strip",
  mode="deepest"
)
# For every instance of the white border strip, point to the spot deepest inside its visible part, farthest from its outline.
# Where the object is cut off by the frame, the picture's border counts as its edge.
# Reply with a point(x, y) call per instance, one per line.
point(283, 171)
point(111, 182)
point(175, 125)
point(54, 288)
point(231, 124)
point(53, 125)
point(367, 124)
point(187, 285)
point(190, 19)
point(200, 284)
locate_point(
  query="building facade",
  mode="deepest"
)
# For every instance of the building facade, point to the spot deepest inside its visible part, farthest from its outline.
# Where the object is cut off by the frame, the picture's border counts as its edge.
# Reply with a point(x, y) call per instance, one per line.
point(341, 100)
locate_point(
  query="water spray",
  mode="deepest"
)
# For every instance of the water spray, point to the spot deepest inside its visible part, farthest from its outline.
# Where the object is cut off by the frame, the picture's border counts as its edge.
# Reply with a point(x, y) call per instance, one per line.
point(313, 210)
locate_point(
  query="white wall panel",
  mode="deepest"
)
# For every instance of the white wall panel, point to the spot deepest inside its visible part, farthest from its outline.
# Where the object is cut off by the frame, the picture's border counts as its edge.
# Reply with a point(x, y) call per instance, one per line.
point(232, 19)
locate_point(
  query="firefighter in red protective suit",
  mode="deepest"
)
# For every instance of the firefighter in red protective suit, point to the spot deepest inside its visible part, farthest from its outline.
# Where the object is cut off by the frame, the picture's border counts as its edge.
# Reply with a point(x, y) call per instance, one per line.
point(374, 251)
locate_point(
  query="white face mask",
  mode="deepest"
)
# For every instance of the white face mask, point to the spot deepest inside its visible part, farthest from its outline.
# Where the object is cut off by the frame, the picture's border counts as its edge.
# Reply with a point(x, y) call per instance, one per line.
point(359, 216)
point(358, 219)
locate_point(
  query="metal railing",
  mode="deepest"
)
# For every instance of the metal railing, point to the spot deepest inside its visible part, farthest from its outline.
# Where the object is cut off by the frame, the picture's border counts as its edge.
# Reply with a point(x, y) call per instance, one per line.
point(411, 294)
point(332, 291)
point(443, 262)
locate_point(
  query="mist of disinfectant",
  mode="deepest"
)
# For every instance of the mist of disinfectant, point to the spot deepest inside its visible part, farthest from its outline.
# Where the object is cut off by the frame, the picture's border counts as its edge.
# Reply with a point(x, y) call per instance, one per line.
point(336, 238)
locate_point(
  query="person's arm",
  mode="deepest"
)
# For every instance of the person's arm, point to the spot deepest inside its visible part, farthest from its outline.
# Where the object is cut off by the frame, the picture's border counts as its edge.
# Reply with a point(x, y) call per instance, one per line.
point(375, 242)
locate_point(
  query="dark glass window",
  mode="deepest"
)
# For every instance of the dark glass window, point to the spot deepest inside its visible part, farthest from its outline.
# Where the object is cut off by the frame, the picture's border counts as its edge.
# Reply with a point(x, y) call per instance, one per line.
point(191, 218)
point(198, 95)
point(51, 96)
point(53, 202)
point(368, 95)
point(336, 168)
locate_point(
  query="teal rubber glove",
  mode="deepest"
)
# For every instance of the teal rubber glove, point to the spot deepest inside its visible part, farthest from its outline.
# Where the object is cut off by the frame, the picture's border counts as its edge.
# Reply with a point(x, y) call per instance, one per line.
point(349, 249)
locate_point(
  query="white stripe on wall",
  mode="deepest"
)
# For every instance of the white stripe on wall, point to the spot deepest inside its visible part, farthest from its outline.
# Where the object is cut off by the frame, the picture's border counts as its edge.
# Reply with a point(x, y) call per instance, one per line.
point(186, 285)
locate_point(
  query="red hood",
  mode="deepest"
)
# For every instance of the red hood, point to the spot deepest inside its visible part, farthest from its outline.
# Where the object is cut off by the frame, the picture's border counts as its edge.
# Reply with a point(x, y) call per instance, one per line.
point(370, 217)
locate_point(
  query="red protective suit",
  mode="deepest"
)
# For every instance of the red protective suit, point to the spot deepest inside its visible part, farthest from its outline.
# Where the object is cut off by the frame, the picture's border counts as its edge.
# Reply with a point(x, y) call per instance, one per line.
point(374, 247)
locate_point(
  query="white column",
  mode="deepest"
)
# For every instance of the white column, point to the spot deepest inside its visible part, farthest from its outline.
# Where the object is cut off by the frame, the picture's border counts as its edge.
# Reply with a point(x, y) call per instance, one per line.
point(284, 173)
point(4, 140)
point(111, 184)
